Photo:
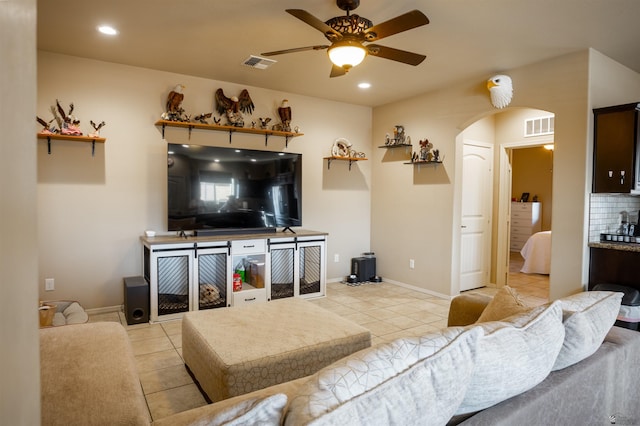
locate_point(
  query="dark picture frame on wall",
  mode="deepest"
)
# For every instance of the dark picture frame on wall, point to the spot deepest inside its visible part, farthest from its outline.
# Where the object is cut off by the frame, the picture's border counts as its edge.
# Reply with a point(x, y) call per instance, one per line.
point(525, 197)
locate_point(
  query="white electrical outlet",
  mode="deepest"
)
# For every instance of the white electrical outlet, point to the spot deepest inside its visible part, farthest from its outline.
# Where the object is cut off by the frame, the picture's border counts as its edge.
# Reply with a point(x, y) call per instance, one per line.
point(412, 264)
point(336, 258)
point(49, 284)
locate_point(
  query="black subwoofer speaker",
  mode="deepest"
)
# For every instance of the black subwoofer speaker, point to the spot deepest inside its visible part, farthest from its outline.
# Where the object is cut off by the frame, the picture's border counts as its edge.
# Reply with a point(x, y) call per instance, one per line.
point(136, 300)
point(364, 268)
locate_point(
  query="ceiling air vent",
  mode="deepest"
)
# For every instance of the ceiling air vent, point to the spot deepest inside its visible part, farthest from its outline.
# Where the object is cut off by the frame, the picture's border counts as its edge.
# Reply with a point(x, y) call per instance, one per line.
point(539, 126)
point(258, 62)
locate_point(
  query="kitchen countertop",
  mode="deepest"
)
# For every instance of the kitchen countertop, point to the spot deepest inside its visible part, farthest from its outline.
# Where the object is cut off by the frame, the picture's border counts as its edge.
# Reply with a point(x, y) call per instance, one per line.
point(633, 247)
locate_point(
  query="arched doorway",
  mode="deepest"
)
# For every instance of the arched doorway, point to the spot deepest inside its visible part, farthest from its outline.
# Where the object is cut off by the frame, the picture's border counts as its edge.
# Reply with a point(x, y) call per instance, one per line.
point(504, 130)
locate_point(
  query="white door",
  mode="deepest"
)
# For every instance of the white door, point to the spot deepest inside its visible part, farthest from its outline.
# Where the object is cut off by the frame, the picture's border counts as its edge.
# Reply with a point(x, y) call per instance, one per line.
point(477, 195)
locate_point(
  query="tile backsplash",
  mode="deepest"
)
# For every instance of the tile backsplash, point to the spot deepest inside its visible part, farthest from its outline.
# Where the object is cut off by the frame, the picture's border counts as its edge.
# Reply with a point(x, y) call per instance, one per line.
point(604, 213)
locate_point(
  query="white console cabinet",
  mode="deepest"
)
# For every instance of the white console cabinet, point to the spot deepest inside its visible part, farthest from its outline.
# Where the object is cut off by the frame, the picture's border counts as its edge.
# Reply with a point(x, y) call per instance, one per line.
point(194, 273)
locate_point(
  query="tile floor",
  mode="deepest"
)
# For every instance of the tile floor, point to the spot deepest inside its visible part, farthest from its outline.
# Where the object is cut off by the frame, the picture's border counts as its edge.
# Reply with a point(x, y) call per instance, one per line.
point(387, 310)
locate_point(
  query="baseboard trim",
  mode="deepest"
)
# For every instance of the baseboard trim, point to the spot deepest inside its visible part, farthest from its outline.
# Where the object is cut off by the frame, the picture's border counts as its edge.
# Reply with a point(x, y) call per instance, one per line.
point(418, 289)
point(105, 310)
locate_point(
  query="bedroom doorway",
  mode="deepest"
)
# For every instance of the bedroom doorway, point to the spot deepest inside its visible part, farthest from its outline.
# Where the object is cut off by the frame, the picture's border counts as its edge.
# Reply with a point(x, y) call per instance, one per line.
point(529, 256)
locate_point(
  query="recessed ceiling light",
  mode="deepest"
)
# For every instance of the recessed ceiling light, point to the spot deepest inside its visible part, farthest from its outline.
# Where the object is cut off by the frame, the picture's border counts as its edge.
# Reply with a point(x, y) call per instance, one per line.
point(108, 30)
point(364, 85)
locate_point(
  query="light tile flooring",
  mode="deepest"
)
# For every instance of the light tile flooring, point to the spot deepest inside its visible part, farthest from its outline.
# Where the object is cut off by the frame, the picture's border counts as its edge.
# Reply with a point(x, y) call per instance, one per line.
point(387, 310)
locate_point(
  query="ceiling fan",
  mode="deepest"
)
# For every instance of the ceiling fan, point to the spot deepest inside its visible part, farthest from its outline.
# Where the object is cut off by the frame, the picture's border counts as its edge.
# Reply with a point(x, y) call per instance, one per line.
point(348, 33)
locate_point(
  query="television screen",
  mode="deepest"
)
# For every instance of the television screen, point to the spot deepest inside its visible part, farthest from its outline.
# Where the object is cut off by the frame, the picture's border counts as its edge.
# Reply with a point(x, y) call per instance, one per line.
point(217, 188)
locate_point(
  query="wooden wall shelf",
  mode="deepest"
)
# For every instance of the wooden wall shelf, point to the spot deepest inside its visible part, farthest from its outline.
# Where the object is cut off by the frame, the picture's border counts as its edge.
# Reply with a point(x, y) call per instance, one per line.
point(230, 129)
point(351, 160)
point(397, 145)
point(424, 163)
point(56, 136)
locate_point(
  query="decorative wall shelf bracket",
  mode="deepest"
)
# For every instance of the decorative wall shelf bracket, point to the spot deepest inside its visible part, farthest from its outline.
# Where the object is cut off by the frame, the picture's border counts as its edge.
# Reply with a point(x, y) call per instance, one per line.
point(230, 129)
point(351, 160)
point(93, 140)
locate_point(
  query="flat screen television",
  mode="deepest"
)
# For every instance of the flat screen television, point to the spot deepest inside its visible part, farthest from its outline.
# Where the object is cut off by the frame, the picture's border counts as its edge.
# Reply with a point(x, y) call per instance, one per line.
point(223, 190)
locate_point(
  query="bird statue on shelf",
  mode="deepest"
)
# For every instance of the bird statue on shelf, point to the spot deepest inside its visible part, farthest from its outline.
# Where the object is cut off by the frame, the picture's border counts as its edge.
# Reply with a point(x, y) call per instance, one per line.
point(284, 111)
point(47, 128)
point(233, 106)
point(501, 90)
point(96, 128)
point(174, 104)
point(264, 122)
point(69, 124)
point(202, 118)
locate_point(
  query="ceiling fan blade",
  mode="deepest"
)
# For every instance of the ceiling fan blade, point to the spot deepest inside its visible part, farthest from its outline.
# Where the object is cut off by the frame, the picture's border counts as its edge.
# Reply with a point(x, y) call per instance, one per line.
point(337, 71)
point(316, 23)
point(296, 49)
point(395, 54)
point(401, 23)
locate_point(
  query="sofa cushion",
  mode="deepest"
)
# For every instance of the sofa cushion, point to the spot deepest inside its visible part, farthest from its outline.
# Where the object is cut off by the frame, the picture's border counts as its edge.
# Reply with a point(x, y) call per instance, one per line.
point(257, 411)
point(587, 317)
point(513, 356)
point(402, 382)
point(505, 303)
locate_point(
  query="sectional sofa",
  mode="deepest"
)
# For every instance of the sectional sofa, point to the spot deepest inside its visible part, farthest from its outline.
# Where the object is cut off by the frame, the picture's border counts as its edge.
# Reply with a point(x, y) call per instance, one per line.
point(562, 363)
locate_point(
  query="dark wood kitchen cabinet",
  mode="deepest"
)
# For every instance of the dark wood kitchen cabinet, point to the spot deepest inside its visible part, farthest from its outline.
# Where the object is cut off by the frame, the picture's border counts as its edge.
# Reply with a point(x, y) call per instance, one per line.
point(609, 266)
point(615, 135)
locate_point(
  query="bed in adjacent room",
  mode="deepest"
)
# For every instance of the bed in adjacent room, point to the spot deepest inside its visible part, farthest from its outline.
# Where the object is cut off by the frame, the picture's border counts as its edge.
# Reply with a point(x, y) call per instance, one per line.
point(537, 253)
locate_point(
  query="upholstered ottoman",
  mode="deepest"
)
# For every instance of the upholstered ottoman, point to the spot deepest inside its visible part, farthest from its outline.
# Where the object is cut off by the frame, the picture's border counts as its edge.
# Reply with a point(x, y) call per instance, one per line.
point(233, 351)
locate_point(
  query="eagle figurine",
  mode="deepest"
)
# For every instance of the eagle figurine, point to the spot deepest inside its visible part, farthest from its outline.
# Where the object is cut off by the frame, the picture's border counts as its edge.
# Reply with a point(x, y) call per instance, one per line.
point(284, 111)
point(501, 90)
point(174, 100)
point(233, 106)
point(96, 128)
point(202, 118)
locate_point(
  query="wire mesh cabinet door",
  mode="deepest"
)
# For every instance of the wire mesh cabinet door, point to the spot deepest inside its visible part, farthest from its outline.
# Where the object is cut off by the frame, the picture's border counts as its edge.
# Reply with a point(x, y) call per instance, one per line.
point(283, 263)
point(170, 282)
point(311, 269)
point(212, 278)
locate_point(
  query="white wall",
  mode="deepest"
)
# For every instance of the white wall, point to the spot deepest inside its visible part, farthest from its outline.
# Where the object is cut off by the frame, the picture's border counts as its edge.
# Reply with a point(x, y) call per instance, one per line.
point(92, 210)
point(426, 214)
point(19, 344)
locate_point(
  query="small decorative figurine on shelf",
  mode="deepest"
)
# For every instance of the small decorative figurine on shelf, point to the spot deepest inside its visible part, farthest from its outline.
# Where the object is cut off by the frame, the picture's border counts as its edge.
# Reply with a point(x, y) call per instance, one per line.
point(399, 137)
point(174, 110)
point(96, 128)
point(426, 154)
point(69, 125)
point(425, 150)
point(342, 148)
point(284, 112)
point(202, 118)
point(264, 122)
point(233, 106)
point(47, 128)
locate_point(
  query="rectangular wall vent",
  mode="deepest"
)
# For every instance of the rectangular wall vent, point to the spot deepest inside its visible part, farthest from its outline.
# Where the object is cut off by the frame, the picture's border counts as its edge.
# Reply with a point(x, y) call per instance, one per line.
point(539, 126)
point(258, 62)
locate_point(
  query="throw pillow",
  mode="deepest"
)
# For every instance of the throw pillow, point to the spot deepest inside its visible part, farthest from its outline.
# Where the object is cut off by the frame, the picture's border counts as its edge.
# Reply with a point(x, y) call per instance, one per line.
point(75, 314)
point(505, 303)
point(513, 356)
point(257, 411)
point(588, 317)
point(402, 382)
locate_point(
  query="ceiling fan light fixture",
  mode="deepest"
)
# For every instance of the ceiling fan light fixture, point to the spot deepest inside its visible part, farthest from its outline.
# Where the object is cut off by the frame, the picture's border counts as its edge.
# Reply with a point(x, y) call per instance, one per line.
point(347, 53)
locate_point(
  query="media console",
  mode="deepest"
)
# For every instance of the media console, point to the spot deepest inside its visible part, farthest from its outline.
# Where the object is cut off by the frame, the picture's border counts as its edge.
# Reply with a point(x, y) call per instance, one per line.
point(197, 272)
